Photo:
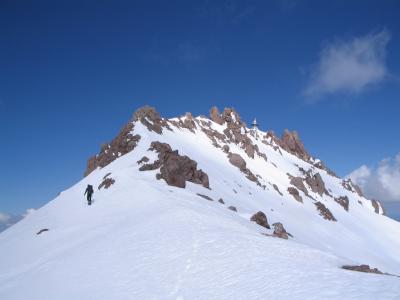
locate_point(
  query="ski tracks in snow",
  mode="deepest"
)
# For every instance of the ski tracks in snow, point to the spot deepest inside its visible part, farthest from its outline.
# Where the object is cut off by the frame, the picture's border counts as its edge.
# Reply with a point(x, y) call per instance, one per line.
point(191, 259)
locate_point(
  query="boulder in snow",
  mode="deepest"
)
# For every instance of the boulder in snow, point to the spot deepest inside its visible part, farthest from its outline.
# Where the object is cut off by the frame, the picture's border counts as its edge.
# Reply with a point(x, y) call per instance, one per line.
point(261, 219)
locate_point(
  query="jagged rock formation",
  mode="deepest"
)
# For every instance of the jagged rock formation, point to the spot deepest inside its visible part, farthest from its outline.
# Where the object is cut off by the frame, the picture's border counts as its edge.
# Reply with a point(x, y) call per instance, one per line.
point(122, 144)
point(324, 211)
point(150, 118)
point(215, 116)
point(343, 201)
point(261, 219)
point(175, 169)
point(291, 142)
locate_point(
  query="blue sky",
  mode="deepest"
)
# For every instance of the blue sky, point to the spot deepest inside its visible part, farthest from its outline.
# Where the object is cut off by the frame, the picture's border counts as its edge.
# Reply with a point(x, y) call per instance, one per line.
point(72, 73)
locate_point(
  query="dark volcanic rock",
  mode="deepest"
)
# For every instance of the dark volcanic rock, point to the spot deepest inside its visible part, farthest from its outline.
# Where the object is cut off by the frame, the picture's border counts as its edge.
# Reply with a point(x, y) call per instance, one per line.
point(343, 201)
point(107, 182)
point(279, 231)
point(232, 208)
point(325, 212)
point(122, 144)
point(261, 219)
point(175, 169)
point(291, 142)
point(295, 193)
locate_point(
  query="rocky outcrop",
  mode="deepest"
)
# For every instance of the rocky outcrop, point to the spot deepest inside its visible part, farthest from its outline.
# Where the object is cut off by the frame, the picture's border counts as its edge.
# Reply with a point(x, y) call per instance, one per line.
point(291, 142)
point(175, 169)
point(150, 118)
point(221, 201)
point(378, 207)
point(240, 163)
point(320, 165)
point(343, 201)
point(325, 212)
point(107, 182)
point(261, 219)
point(188, 122)
point(298, 183)
point(215, 116)
point(362, 268)
point(280, 231)
point(316, 183)
point(122, 144)
point(352, 187)
point(295, 193)
point(237, 161)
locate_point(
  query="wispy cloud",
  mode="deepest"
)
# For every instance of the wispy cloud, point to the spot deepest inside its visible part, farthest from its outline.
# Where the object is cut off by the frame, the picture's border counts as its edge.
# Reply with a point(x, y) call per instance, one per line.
point(381, 182)
point(349, 66)
point(4, 218)
point(7, 220)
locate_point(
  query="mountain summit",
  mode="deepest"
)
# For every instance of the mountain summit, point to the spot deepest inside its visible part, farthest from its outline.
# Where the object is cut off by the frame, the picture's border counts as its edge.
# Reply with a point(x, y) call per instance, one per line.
point(204, 208)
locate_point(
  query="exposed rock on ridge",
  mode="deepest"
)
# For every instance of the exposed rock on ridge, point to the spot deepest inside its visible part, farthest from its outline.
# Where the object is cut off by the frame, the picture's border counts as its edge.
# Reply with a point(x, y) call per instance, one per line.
point(122, 144)
point(175, 169)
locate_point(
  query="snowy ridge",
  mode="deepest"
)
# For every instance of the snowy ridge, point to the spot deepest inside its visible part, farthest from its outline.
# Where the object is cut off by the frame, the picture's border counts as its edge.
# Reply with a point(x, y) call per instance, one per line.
point(145, 239)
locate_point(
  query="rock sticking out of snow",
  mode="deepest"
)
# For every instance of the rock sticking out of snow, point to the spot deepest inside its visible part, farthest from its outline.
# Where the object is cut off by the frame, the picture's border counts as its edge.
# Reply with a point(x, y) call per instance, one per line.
point(42, 230)
point(343, 201)
point(325, 212)
point(261, 219)
point(362, 268)
point(175, 169)
point(280, 231)
point(295, 193)
point(107, 182)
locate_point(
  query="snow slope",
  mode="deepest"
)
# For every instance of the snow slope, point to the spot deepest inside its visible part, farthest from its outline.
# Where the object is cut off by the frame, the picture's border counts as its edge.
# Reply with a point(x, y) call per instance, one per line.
point(144, 239)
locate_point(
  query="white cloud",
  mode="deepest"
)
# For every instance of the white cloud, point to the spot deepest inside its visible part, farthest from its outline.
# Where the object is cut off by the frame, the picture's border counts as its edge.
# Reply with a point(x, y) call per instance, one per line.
point(349, 66)
point(28, 212)
point(4, 218)
point(381, 182)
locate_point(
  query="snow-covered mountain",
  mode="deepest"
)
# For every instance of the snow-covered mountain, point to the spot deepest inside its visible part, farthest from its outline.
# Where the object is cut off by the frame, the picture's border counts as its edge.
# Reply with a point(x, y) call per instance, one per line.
point(203, 208)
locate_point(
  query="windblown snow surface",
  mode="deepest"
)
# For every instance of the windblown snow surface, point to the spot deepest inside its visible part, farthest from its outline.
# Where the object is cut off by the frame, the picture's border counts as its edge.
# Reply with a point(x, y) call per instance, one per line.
point(144, 239)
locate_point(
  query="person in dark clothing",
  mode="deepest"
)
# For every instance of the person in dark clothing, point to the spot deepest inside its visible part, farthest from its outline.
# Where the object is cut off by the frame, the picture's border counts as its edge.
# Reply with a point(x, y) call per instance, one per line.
point(89, 193)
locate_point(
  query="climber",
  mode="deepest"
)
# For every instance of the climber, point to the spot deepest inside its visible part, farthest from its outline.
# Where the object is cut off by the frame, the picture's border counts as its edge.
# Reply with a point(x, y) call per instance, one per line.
point(89, 192)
